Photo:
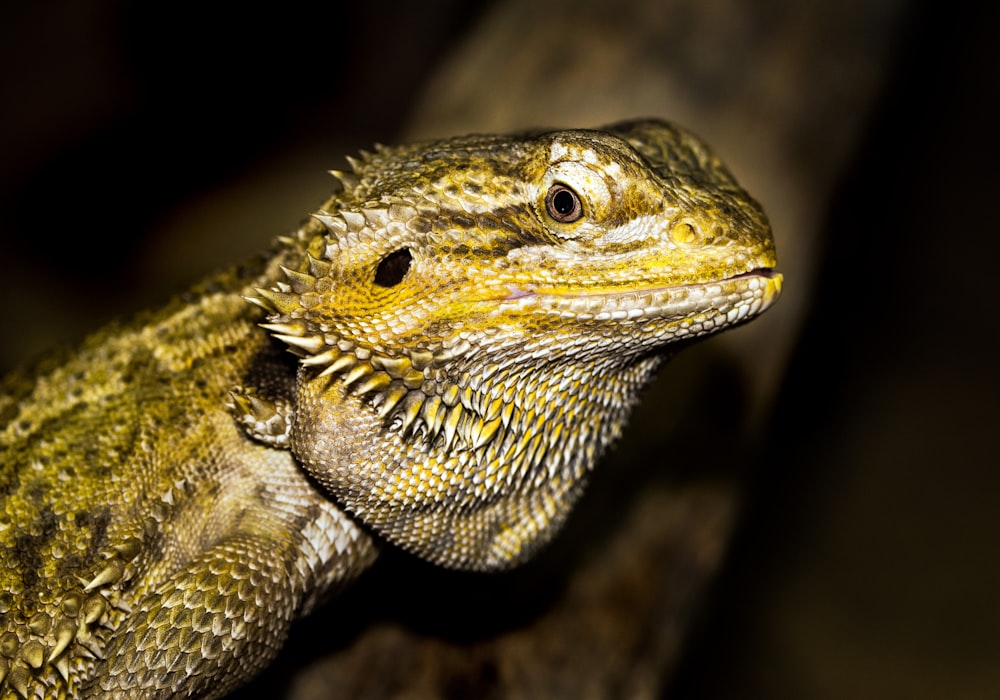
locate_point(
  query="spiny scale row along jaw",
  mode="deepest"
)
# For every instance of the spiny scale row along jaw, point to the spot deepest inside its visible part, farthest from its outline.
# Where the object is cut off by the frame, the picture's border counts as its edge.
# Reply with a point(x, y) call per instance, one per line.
point(479, 315)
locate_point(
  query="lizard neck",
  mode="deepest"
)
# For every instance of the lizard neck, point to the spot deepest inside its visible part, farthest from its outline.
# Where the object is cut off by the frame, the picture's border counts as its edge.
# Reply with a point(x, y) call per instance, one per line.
point(476, 467)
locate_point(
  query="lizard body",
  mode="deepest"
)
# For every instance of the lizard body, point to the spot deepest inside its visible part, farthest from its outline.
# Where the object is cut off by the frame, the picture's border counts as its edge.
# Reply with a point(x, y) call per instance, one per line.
point(470, 320)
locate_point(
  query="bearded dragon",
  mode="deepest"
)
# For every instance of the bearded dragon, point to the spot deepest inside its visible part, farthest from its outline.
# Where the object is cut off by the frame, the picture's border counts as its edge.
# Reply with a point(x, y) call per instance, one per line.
point(470, 322)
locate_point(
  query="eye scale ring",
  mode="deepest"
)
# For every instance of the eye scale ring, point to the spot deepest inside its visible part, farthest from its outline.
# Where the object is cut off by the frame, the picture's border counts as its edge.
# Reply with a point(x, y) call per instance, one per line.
point(563, 204)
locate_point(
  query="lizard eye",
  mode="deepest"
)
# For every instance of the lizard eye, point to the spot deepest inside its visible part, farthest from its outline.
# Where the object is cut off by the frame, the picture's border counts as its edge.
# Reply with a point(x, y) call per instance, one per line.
point(563, 204)
point(393, 268)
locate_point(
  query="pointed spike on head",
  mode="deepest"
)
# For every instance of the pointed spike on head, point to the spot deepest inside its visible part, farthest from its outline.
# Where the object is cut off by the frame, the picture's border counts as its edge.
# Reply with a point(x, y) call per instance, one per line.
point(376, 382)
point(324, 359)
point(355, 220)
point(483, 431)
point(376, 218)
point(433, 413)
point(94, 609)
point(411, 409)
point(393, 394)
point(339, 365)
point(278, 302)
point(359, 371)
point(111, 573)
point(300, 282)
point(61, 664)
point(346, 179)
point(260, 303)
point(296, 329)
point(310, 344)
point(317, 267)
point(334, 224)
point(356, 163)
point(450, 424)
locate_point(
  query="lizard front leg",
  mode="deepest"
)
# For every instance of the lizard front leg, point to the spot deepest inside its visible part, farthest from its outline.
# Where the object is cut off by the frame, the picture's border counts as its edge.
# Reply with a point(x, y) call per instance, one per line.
point(215, 623)
point(229, 611)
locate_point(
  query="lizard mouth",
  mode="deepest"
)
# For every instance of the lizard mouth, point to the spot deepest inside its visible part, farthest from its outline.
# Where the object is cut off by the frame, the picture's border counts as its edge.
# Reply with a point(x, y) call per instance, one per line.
point(760, 273)
point(729, 300)
point(766, 272)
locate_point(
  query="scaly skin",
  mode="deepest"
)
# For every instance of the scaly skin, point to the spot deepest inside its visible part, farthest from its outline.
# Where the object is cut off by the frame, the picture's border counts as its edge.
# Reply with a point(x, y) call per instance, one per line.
point(471, 322)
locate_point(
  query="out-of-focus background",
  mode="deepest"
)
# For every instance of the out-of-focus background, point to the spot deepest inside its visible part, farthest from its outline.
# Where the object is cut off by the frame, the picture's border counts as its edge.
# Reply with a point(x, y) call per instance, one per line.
point(805, 507)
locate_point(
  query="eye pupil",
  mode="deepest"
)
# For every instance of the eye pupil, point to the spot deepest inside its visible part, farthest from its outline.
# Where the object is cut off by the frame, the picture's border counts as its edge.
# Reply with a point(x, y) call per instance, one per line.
point(563, 204)
point(393, 268)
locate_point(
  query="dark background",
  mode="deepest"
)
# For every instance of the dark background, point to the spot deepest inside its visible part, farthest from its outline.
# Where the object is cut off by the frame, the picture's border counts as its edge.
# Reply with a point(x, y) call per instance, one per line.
point(865, 562)
point(876, 510)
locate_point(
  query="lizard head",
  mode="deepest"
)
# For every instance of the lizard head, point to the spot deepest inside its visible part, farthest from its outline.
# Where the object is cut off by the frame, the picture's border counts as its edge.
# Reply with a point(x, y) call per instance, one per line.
point(475, 318)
